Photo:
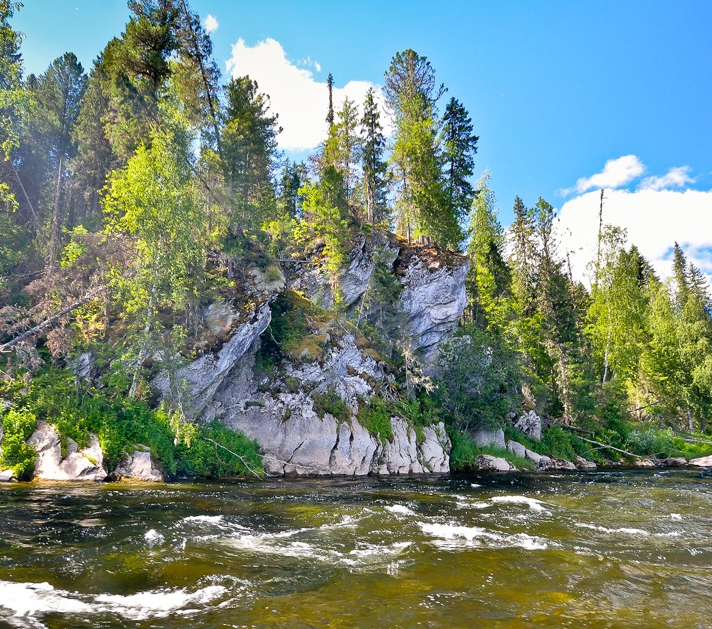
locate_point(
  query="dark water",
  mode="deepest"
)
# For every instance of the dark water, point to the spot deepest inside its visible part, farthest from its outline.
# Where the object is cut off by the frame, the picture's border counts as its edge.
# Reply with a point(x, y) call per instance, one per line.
point(606, 549)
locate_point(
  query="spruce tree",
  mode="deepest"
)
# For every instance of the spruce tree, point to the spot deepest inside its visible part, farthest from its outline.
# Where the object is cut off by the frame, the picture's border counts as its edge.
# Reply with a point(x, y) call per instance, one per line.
point(373, 165)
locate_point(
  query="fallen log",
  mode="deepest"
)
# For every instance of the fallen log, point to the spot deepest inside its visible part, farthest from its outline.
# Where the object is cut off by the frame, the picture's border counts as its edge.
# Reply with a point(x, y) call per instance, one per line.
point(52, 320)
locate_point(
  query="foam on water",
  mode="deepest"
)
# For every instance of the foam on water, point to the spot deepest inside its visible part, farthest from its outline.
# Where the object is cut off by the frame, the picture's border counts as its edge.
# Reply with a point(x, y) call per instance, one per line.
point(623, 530)
point(400, 510)
point(532, 503)
point(453, 536)
point(153, 537)
point(29, 600)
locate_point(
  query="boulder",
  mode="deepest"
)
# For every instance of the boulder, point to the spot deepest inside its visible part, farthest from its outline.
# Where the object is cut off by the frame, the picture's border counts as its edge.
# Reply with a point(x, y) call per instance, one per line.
point(541, 461)
point(703, 461)
point(139, 466)
point(643, 463)
point(489, 463)
point(7, 476)
point(516, 448)
point(673, 461)
point(584, 464)
point(489, 437)
point(79, 465)
point(561, 464)
point(530, 424)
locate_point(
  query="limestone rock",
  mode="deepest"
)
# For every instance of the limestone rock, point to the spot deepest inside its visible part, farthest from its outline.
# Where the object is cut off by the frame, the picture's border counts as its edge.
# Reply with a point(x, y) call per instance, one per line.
point(315, 282)
point(87, 464)
point(541, 461)
point(433, 301)
point(85, 367)
point(7, 476)
point(584, 464)
point(516, 448)
point(139, 466)
point(703, 461)
point(530, 424)
point(204, 376)
point(489, 437)
point(489, 463)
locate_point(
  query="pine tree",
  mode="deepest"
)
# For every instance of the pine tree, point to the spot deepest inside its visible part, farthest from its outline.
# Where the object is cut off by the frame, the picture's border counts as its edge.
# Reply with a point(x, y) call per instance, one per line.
point(197, 76)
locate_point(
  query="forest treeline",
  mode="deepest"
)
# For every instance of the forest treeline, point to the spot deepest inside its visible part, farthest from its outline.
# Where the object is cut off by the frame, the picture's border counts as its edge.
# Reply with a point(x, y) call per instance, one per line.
point(142, 185)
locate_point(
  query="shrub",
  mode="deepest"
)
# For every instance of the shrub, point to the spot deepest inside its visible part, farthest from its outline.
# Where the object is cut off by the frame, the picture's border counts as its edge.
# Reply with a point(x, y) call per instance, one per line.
point(18, 425)
point(330, 402)
point(375, 416)
point(464, 453)
point(212, 453)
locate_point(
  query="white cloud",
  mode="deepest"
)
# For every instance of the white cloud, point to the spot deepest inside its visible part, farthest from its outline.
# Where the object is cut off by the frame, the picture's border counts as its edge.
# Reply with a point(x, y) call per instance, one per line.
point(615, 173)
point(654, 218)
point(210, 24)
point(675, 178)
point(300, 100)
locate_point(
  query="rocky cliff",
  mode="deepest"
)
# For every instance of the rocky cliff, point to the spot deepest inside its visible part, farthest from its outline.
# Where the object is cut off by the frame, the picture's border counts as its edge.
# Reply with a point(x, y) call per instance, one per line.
point(302, 406)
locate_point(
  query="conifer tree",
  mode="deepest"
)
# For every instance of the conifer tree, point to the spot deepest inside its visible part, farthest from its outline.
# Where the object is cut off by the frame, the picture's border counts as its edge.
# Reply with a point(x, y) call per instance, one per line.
point(373, 164)
point(488, 279)
point(411, 92)
point(459, 149)
point(250, 152)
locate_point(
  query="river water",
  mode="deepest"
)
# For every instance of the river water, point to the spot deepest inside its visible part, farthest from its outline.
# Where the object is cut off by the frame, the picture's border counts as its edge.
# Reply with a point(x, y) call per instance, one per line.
point(598, 549)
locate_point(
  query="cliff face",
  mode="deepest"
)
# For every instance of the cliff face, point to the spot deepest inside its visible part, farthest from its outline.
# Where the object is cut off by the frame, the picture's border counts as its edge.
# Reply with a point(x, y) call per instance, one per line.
point(303, 408)
point(276, 362)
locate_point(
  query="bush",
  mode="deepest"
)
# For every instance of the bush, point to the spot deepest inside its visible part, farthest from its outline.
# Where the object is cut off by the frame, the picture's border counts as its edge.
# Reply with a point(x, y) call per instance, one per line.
point(330, 402)
point(18, 426)
point(205, 457)
point(464, 453)
point(375, 416)
point(478, 379)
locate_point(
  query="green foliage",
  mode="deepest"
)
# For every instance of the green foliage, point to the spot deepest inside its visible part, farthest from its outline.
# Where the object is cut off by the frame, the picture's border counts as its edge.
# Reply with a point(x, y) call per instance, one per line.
point(16, 454)
point(477, 379)
point(330, 402)
point(375, 416)
point(121, 424)
point(202, 457)
point(325, 217)
point(463, 456)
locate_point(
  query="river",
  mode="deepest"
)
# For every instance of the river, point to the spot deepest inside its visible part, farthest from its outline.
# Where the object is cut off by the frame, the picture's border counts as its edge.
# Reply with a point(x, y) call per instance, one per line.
point(598, 549)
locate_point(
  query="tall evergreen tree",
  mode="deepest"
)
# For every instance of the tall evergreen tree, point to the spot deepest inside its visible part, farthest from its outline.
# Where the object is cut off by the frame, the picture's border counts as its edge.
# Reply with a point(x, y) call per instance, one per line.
point(411, 92)
point(459, 148)
point(488, 279)
point(372, 162)
point(250, 151)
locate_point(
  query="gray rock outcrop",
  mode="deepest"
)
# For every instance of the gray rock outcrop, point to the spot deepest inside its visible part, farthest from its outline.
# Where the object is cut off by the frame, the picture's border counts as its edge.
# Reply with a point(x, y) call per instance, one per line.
point(78, 465)
point(703, 461)
point(530, 424)
point(489, 463)
point(139, 466)
point(204, 376)
point(433, 300)
point(489, 437)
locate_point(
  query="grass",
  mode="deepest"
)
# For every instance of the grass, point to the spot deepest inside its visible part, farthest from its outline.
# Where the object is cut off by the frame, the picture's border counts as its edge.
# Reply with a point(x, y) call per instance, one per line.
point(463, 456)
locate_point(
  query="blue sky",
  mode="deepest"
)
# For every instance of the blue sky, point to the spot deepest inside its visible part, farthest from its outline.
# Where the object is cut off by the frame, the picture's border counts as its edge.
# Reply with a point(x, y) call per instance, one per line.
point(566, 96)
